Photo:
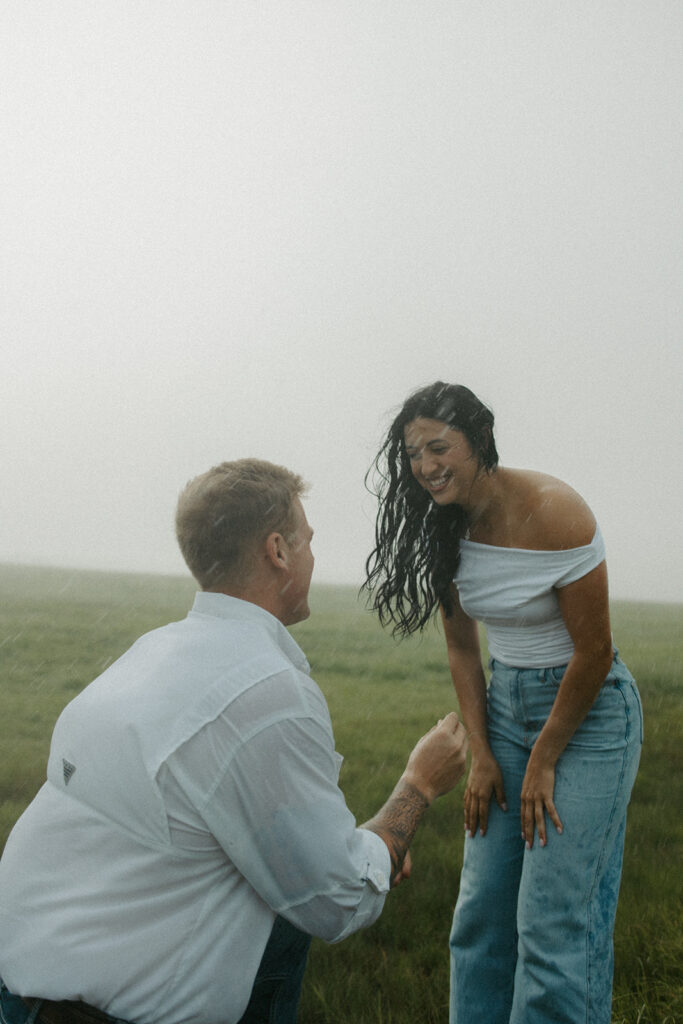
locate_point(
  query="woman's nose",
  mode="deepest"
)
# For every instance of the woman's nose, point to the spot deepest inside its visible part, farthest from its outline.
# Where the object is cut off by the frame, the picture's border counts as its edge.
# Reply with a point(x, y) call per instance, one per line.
point(427, 463)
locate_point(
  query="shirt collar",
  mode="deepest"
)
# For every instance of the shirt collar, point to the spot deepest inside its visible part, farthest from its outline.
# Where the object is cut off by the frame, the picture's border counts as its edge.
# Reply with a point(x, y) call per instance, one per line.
point(222, 606)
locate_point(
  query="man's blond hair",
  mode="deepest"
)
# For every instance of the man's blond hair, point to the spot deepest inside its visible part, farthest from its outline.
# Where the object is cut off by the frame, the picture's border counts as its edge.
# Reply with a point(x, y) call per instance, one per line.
point(223, 513)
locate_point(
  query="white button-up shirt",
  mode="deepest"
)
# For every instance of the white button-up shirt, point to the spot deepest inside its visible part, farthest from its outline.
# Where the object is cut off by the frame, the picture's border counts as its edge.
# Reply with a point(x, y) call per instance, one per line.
point(191, 796)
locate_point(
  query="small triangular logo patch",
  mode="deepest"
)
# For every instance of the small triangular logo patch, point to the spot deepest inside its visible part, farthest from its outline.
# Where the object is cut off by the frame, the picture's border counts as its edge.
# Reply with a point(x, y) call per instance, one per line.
point(69, 769)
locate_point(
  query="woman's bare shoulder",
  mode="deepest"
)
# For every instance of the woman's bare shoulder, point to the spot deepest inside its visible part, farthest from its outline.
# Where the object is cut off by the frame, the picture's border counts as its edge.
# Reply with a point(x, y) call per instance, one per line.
point(556, 515)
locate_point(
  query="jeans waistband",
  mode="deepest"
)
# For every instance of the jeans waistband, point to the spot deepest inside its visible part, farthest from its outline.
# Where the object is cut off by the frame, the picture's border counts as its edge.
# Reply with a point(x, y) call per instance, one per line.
point(554, 673)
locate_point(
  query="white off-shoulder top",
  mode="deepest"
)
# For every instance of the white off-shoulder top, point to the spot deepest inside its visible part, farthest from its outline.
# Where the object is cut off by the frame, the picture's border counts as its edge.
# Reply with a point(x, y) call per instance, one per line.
point(512, 591)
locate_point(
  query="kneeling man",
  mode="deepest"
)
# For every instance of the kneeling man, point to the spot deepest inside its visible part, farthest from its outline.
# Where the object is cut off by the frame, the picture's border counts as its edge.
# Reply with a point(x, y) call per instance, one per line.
point(191, 835)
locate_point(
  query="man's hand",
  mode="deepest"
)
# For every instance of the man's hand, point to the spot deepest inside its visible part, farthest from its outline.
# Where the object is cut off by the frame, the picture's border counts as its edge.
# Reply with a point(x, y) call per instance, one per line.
point(437, 762)
point(403, 872)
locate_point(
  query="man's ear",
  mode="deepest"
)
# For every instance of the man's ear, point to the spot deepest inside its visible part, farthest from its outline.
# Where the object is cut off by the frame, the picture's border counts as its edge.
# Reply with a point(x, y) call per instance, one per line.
point(277, 550)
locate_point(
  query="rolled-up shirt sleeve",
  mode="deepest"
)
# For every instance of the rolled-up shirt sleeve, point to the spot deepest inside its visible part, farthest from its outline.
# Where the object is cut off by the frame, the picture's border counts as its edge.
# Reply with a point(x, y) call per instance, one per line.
point(273, 803)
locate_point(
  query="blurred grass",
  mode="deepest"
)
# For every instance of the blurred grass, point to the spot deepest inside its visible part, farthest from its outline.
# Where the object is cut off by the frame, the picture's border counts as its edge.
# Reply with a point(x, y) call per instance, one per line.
point(60, 628)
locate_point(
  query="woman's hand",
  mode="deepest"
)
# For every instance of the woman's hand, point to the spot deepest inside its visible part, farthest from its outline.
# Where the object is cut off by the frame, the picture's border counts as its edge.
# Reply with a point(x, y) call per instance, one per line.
point(537, 798)
point(484, 779)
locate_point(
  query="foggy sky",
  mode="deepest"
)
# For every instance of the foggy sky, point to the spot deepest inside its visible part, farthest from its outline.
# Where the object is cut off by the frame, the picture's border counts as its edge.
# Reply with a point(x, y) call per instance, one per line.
point(252, 228)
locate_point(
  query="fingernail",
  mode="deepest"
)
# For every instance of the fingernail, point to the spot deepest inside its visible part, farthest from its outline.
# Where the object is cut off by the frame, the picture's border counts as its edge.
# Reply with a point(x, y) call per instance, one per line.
point(481, 832)
point(542, 842)
point(559, 831)
point(528, 845)
point(468, 833)
point(505, 807)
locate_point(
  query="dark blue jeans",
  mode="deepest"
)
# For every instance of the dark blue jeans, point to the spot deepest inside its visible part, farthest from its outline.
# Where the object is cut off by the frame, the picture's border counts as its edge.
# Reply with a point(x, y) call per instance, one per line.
point(274, 997)
point(277, 987)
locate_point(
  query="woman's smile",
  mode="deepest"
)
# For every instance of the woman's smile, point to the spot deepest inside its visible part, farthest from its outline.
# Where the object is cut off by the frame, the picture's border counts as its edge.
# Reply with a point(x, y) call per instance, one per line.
point(441, 459)
point(437, 484)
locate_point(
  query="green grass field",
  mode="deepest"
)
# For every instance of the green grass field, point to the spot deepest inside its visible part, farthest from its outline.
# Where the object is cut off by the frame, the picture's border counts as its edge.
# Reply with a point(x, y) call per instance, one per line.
point(59, 629)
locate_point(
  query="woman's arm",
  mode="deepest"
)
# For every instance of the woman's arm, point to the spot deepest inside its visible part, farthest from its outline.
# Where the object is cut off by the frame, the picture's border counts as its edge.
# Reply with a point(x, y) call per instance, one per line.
point(585, 610)
point(464, 660)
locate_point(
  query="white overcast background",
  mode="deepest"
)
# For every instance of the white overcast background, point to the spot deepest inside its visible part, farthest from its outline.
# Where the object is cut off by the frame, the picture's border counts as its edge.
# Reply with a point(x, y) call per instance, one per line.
point(252, 228)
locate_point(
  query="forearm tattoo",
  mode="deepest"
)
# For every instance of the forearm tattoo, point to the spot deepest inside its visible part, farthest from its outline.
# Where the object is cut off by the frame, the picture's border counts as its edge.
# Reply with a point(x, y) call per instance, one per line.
point(396, 823)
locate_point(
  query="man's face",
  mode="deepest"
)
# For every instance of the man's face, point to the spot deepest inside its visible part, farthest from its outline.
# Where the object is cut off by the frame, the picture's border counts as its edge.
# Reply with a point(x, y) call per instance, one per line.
point(301, 568)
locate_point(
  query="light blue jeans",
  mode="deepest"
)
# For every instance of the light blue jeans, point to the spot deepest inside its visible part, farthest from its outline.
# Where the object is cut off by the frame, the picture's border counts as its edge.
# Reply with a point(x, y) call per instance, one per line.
point(532, 931)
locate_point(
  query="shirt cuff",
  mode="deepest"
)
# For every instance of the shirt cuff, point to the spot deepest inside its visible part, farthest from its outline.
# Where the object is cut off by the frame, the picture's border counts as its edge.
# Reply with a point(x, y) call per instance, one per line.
point(378, 866)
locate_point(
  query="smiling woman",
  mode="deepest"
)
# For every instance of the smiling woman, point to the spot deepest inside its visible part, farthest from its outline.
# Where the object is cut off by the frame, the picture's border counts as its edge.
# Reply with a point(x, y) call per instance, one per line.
point(521, 552)
point(449, 424)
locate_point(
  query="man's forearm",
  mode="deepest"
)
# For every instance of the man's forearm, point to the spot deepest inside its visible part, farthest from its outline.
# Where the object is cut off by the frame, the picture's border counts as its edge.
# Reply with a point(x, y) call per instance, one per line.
point(396, 823)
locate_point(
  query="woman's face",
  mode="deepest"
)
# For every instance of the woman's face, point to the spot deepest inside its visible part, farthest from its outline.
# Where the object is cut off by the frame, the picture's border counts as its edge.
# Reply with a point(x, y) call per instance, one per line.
point(441, 459)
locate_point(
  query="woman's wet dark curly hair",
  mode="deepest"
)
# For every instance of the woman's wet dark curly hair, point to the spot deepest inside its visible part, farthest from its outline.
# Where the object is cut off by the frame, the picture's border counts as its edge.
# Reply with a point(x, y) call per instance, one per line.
point(417, 542)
